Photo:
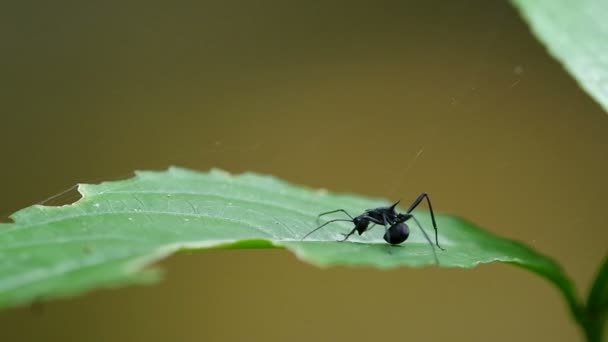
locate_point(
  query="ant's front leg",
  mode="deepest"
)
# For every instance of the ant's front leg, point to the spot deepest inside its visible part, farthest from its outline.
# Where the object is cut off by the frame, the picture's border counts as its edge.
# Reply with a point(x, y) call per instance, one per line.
point(346, 236)
point(370, 227)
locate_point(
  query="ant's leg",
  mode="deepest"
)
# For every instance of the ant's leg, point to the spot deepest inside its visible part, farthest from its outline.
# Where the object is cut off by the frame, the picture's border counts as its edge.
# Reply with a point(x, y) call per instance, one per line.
point(369, 219)
point(346, 236)
point(415, 204)
point(390, 246)
point(325, 224)
point(427, 239)
point(372, 220)
point(334, 211)
point(370, 227)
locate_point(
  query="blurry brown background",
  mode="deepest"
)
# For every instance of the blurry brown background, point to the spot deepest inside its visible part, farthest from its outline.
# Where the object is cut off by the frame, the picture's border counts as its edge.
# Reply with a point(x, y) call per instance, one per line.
point(341, 96)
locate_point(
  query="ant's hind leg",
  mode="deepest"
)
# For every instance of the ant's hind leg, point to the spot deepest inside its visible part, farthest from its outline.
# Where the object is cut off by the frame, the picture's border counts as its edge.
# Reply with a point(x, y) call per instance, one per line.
point(428, 200)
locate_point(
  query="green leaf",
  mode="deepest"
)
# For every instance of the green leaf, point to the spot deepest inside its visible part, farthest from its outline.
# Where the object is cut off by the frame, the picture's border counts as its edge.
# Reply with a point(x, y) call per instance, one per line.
point(575, 33)
point(117, 228)
point(598, 297)
point(597, 304)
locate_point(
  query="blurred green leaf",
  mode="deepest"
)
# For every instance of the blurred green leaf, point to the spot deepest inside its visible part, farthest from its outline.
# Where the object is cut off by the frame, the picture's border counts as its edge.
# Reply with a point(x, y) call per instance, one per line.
point(598, 297)
point(575, 33)
point(117, 228)
point(597, 304)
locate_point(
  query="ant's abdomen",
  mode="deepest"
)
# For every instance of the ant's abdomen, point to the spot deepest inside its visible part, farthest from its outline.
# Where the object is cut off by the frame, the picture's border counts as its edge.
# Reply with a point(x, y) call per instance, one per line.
point(397, 233)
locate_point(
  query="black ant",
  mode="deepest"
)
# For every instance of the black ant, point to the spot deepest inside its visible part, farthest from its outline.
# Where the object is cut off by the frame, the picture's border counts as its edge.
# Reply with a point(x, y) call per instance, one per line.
point(396, 230)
